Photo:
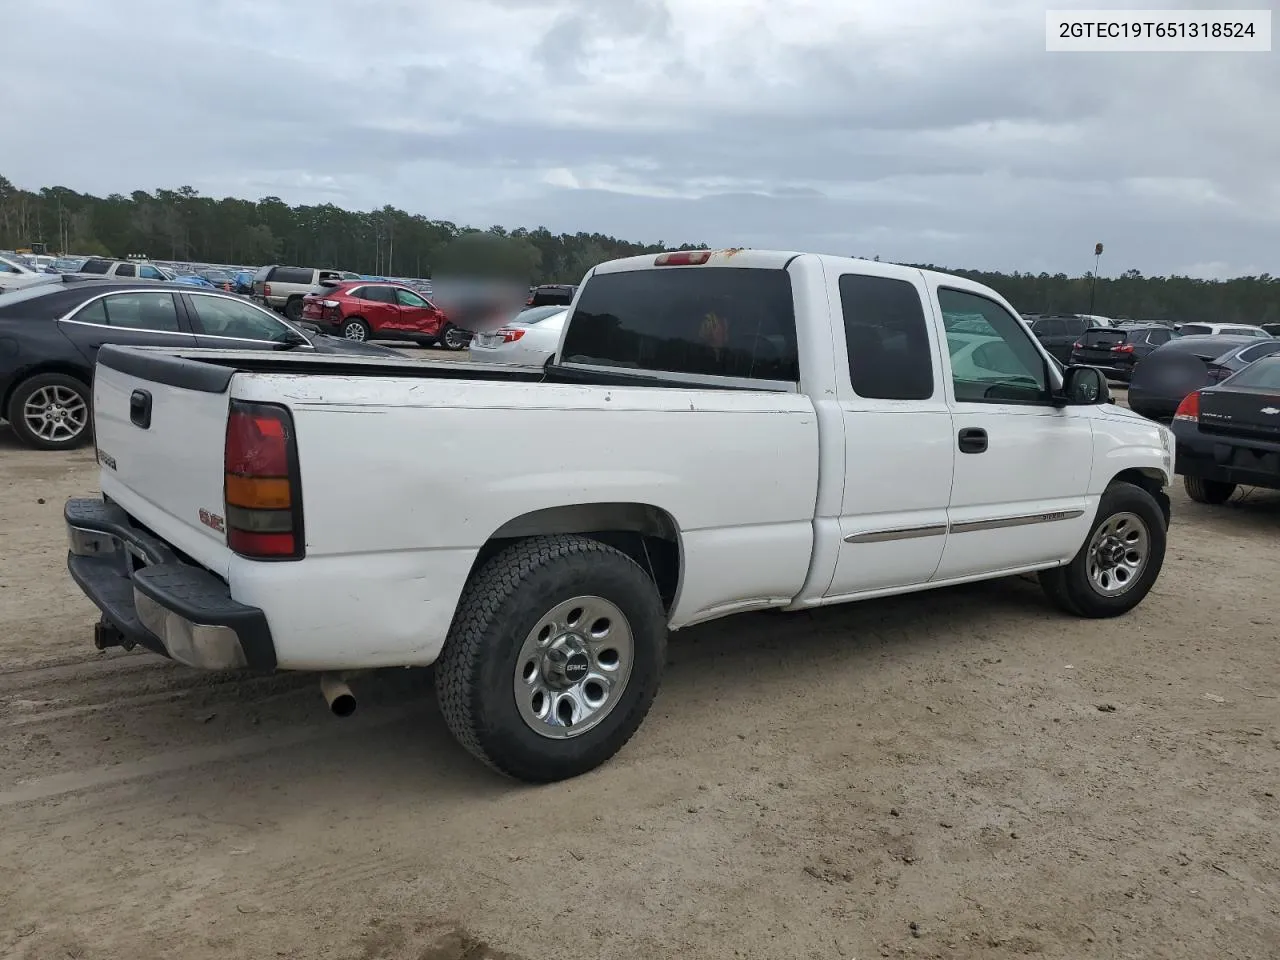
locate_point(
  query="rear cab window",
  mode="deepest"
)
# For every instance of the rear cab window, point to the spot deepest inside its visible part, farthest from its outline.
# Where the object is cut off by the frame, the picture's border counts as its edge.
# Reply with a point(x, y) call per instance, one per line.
point(1195, 329)
point(734, 322)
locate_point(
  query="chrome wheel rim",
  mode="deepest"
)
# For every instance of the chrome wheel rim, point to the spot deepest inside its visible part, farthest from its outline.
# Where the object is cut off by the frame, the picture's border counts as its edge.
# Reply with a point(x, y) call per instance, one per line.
point(573, 667)
point(453, 339)
point(56, 413)
point(1118, 553)
point(353, 331)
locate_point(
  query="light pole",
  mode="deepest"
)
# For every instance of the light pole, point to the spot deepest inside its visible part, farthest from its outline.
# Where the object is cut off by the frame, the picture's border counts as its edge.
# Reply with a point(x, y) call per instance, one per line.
point(1097, 258)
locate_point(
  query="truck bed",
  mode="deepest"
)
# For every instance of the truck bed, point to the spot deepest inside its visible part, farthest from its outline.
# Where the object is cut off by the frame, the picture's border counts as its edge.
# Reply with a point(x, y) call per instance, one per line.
point(409, 469)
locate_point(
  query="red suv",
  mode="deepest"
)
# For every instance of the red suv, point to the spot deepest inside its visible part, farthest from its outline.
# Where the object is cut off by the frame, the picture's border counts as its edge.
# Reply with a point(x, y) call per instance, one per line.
point(367, 310)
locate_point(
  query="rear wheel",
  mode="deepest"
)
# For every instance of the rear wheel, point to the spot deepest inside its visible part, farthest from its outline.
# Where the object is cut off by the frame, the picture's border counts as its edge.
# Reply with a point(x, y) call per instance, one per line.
point(293, 309)
point(1208, 491)
point(553, 659)
point(451, 338)
point(50, 412)
point(1119, 561)
point(356, 329)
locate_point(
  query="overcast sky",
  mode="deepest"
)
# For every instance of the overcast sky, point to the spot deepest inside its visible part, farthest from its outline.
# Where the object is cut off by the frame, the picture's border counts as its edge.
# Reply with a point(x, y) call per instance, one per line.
point(919, 130)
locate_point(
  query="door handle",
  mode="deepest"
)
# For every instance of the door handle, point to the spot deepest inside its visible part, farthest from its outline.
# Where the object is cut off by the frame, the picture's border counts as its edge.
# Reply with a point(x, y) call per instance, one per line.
point(140, 409)
point(973, 440)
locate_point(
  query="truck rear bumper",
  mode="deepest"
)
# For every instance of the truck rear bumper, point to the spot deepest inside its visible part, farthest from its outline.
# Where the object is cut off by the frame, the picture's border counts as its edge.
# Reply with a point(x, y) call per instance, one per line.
point(157, 600)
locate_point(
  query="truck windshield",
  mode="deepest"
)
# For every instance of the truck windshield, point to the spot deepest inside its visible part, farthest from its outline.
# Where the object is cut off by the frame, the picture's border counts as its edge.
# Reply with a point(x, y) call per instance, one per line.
point(712, 321)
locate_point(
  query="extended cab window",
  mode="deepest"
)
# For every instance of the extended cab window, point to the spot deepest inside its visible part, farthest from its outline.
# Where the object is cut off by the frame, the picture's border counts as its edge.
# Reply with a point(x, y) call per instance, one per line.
point(887, 337)
point(992, 358)
point(711, 321)
point(125, 270)
point(133, 311)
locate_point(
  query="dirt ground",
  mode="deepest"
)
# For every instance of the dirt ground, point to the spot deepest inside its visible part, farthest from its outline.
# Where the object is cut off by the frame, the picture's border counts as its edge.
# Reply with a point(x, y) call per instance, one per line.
point(959, 774)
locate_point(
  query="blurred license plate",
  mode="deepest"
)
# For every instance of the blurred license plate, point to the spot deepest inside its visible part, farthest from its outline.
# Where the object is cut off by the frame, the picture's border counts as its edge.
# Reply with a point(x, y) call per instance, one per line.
point(486, 340)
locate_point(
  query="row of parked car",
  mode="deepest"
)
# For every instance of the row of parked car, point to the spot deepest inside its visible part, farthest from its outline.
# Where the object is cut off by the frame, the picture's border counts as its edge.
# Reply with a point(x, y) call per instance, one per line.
point(1217, 384)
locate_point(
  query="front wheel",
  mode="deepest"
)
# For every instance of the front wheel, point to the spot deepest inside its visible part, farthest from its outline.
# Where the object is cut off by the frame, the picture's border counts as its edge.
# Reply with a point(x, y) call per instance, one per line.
point(553, 659)
point(50, 411)
point(1208, 491)
point(1119, 561)
point(451, 338)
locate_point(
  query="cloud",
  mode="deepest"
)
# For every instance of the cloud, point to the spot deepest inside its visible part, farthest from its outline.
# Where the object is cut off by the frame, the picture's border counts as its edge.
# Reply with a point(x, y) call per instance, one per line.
point(922, 130)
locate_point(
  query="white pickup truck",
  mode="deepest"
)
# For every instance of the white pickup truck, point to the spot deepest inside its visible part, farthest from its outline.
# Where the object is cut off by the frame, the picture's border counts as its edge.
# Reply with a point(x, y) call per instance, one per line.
point(719, 431)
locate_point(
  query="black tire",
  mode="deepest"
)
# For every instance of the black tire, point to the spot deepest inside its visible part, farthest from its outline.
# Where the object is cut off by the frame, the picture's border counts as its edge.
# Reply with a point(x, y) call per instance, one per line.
point(293, 308)
point(356, 329)
point(1208, 491)
point(31, 388)
point(1072, 589)
point(451, 338)
point(499, 608)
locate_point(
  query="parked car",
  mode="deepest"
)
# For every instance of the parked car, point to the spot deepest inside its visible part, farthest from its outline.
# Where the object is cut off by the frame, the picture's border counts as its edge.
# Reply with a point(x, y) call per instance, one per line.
point(193, 280)
point(122, 269)
point(1059, 333)
point(57, 328)
point(529, 338)
point(1221, 329)
point(15, 275)
point(365, 310)
point(719, 431)
point(222, 279)
point(1229, 434)
point(1116, 350)
point(551, 294)
point(282, 288)
point(1188, 363)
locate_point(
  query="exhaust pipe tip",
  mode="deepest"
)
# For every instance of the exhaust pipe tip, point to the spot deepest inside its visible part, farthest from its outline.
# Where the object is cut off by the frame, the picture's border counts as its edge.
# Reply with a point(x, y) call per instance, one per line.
point(342, 702)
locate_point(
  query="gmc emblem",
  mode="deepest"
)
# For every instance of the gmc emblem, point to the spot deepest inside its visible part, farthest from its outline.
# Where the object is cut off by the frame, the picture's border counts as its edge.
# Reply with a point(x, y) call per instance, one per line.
point(213, 521)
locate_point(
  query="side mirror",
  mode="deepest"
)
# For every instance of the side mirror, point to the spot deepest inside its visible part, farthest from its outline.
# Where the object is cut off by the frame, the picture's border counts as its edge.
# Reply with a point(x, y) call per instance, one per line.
point(1084, 386)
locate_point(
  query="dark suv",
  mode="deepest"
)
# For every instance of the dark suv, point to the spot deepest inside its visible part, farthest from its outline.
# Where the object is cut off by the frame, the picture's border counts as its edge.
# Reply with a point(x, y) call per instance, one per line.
point(1115, 350)
point(1058, 333)
point(551, 294)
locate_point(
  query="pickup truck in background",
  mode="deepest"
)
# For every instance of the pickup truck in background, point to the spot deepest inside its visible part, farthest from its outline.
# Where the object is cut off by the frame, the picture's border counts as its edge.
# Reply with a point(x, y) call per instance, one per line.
point(719, 431)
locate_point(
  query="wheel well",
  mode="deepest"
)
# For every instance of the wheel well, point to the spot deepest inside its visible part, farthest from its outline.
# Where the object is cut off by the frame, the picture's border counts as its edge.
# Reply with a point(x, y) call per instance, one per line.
point(67, 369)
point(1149, 479)
point(645, 533)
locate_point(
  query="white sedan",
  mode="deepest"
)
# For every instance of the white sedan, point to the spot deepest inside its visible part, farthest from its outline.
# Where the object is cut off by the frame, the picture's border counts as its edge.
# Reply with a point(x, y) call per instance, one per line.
point(528, 339)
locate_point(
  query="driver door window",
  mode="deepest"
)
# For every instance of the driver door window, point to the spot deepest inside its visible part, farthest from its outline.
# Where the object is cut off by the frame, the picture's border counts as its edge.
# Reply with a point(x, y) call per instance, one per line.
point(235, 319)
point(992, 358)
point(407, 298)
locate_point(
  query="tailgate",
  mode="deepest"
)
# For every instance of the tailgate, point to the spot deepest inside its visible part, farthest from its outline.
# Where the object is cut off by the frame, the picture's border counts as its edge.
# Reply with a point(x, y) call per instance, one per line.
point(160, 427)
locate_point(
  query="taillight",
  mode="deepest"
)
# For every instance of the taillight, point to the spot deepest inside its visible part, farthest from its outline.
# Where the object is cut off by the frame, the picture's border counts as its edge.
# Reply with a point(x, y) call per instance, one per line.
point(1218, 373)
point(1123, 348)
point(1189, 408)
point(266, 289)
point(329, 303)
point(511, 334)
point(682, 258)
point(262, 488)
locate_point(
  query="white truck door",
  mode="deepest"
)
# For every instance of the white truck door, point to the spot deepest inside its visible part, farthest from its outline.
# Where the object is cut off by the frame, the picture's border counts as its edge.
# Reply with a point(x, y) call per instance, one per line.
point(899, 448)
point(1019, 495)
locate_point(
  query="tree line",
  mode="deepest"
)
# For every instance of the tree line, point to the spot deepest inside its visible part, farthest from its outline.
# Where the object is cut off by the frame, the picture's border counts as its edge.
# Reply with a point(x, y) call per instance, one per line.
point(181, 225)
